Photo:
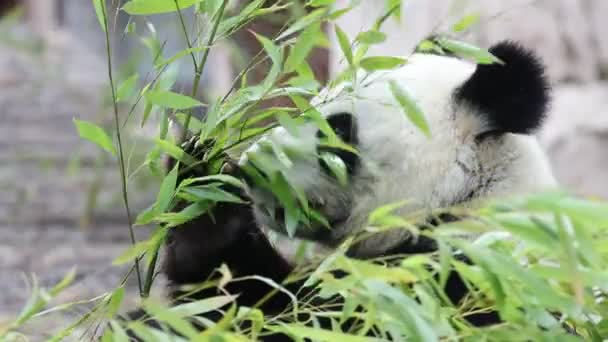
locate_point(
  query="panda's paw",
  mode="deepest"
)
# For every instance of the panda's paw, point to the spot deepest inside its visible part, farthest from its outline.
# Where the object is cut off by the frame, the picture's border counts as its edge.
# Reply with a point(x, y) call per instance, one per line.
point(206, 165)
point(197, 148)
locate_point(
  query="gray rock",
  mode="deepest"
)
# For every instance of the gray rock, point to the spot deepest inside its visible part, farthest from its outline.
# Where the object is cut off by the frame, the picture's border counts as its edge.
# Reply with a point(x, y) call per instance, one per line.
point(576, 136)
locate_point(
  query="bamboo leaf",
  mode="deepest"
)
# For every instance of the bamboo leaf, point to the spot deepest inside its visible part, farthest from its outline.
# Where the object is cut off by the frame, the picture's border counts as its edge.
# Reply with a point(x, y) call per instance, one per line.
point(481, 56)
point(344, 43)
point(167, 189)
point(95, 134)
point(179, 55)
point(149, 7)
point(202, 306)
point(175, 152)
point(381, 63)
point(115, 301)
point(303, 22)
point(337, 167)
point(273, 51)
point(187, 214)
point(302, 48)
point(170, 99)
point(409, 106)
point(140, 248)
point(100, 11)
point(319, 3)
point(64, 283)
point(126, 88)
point(371, 37)
point(166, 315)
point(131, 253)
point(466, 22)
point(303, 332)
point(211, 194)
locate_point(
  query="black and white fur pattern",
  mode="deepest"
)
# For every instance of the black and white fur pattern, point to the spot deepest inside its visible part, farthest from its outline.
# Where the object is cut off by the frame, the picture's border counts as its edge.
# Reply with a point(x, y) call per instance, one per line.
point(480, 118)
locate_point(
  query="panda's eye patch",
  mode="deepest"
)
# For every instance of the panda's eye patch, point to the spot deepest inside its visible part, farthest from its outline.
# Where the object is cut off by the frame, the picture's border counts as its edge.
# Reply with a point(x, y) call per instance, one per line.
point(483, 137)
point(345, 127)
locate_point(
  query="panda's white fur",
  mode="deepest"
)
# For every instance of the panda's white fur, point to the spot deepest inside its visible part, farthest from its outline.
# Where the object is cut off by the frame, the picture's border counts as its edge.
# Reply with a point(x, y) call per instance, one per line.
point(398, 162)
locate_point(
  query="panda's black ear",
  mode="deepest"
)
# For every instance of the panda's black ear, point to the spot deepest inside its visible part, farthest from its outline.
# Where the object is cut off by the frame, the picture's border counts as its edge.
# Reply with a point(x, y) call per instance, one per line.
point(511, 97)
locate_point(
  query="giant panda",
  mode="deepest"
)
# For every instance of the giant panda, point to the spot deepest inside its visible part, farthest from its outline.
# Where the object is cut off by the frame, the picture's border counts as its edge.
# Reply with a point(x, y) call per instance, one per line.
point(482, 119)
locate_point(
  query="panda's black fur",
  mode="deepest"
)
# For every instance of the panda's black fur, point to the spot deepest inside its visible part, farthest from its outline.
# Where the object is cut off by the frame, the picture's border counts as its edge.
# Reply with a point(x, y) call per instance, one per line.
point(517, 85)
point(512, 97)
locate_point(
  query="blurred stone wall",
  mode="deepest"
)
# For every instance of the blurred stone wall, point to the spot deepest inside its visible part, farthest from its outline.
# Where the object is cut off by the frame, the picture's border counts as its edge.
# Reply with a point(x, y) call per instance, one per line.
point(60, 196)
point(570, 35)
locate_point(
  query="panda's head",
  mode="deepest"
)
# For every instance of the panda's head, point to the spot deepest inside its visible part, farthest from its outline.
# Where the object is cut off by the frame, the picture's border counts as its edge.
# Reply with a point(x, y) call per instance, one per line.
point(481, 118)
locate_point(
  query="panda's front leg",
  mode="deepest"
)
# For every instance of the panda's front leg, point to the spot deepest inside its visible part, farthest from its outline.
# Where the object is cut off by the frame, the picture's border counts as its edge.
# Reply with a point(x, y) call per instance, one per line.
point(227, 234)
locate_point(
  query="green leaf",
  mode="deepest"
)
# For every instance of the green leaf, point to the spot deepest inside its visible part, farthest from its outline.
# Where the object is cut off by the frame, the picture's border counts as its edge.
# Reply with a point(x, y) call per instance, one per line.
point(481, 56)
point(429, 46)
point(367, 270)
point(381, 63)
point(131, 253)
point(304, 332)
point(115, 301)
point(131, 28)
point(220, 178)
point(126, 88)
point(281, 155)
point(302, 48)
point(100, 11)
point(166, 315)
point(344, 43)
point(146, 216)
point(337, 167)
point(290, 124)
point(195, 124)
point(140, 248)
point(202, 306)
point(466, 22)
point(211, 194)
point(189, 213)
point(303, 22)
point(311, 112)
point(147, 109)
point(401, 308)
point(319, 3)
point(167, 189)
point(252, 10)
point(340, 12)
point(170, 99)
point(210, 6)
point(396, 5)
point(410, 107)
point(273, 51)
point(371, 37)
point(148, 7)
point(179, 55)
point(64, 283)
point(377, 214)
point(118, 333)
point(175, 152)
point(276, 55)
point(95, 134)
